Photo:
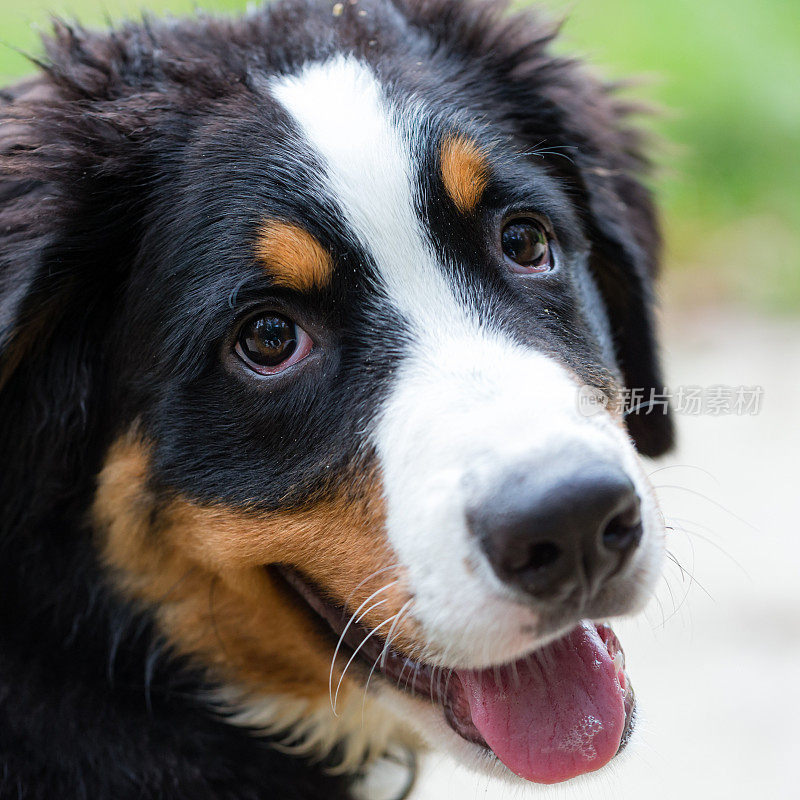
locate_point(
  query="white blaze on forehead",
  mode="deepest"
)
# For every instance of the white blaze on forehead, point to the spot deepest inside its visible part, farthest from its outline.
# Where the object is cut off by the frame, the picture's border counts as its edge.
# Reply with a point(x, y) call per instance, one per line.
point(366, 149)
point(467, 403)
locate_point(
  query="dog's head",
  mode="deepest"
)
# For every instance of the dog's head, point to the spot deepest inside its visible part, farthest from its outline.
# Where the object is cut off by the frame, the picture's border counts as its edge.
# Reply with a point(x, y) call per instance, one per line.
point(319, 294)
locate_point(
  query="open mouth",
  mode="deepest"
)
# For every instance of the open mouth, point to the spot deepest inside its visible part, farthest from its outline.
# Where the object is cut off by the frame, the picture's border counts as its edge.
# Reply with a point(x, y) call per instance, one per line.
point(563, 710)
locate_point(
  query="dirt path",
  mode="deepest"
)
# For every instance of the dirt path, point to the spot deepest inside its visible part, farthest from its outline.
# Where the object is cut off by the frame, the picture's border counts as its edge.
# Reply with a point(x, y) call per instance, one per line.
point(716, 659)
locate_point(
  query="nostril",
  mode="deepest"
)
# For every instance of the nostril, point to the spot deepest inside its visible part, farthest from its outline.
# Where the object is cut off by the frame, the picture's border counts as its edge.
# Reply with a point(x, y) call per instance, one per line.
point(624, 531)
point(543, 555)
point(521, 555)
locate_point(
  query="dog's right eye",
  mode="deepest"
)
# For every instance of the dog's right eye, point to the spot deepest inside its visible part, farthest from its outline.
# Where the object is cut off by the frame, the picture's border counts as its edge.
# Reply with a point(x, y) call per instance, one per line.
point(269, 343)
point(526, 246)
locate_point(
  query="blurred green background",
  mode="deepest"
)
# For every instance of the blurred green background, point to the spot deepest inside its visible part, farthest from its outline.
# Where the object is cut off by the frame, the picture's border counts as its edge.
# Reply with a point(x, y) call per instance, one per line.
point(726, 75)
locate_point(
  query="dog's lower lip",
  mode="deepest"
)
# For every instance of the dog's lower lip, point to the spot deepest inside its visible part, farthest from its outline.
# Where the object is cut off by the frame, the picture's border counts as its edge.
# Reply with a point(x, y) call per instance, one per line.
point(414, 676)
point(442, 686)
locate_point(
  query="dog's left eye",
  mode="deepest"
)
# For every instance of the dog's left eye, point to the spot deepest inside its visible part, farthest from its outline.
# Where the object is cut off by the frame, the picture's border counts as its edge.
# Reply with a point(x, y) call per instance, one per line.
point(526, 246)
point(269, 343)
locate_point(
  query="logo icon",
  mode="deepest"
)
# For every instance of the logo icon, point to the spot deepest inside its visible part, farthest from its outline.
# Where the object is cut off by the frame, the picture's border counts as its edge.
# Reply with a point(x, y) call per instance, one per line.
point(591, 401)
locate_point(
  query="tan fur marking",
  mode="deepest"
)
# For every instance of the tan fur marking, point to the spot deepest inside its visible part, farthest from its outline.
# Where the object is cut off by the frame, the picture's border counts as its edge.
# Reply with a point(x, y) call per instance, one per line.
point(202, 570)
point(465, 171)
point(294, 258)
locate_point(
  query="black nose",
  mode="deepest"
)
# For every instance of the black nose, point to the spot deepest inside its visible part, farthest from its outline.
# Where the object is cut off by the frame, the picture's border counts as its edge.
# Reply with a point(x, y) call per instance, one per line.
point(557, 529)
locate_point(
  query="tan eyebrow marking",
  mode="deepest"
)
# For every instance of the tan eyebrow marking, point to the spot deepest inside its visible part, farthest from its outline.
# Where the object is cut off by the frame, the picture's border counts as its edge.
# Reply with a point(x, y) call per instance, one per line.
point(294, 258)
point(465, 171)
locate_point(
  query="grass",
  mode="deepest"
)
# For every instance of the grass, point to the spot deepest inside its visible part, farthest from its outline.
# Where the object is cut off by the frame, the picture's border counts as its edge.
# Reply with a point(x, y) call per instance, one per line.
point(726, 72)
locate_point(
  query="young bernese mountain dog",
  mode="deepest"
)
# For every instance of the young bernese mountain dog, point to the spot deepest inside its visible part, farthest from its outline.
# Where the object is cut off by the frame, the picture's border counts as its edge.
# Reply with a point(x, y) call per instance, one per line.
point(297, 315)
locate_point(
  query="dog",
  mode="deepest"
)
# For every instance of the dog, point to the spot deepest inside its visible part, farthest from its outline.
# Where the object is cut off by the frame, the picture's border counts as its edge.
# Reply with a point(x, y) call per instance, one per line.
point(298, 309)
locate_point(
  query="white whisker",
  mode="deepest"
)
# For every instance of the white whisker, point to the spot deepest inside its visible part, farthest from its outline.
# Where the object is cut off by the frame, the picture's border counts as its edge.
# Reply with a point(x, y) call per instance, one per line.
point(685, 466)
point(382, 655)
point(341, 639)
point(714, 503)
point(388, 642)
point(355, 653)
point(368, 578)
point(414, 681)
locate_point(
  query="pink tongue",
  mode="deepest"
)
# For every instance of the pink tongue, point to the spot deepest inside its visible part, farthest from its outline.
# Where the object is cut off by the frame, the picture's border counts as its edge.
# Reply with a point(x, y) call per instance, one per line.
point(561, 715)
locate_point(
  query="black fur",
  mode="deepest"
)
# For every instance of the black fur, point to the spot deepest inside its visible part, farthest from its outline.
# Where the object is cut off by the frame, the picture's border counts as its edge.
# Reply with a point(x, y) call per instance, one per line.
point(133, 172)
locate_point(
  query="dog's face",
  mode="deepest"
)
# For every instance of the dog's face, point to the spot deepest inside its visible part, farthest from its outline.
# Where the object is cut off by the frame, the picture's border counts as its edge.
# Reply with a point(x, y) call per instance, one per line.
point(347, 456)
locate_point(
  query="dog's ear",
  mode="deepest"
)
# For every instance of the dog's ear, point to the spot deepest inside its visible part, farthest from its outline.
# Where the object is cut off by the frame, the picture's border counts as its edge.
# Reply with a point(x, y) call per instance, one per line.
point(574, 123)
point(625, 244)
point(71, 195)
point(73, 176)
point(61, 216)
point(50, 286)
point(26, 224)
point(604, 163)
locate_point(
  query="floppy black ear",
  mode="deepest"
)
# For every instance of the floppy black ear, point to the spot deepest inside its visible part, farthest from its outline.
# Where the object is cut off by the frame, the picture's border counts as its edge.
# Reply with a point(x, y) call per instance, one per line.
point(62, 214)
point(67, 223)
point(625, 253)
point(47, 364)
point(24, 223)
point(78, 156)
point(604, 164)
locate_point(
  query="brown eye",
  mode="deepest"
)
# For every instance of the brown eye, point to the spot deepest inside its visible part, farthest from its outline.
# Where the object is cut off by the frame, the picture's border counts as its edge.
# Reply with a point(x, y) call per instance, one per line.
point(270, 343)
point(526, 246)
